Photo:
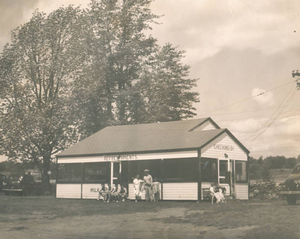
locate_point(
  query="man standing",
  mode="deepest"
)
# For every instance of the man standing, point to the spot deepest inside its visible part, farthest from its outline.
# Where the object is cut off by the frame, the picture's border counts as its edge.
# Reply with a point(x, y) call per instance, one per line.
point(148, 184)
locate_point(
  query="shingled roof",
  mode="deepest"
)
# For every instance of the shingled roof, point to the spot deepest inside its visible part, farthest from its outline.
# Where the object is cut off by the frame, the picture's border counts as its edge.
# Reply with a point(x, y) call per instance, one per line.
point(175, 135)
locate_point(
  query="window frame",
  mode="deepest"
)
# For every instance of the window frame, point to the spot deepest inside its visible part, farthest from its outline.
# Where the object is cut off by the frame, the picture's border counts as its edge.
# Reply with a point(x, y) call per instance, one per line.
point(246, 172)
point(182, 178)
point(68, 181)
point(106, 180)
point(213, 178)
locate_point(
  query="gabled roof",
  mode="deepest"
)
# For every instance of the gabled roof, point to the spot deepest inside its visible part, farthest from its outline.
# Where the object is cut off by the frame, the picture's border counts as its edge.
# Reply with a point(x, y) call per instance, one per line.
point(174, 135)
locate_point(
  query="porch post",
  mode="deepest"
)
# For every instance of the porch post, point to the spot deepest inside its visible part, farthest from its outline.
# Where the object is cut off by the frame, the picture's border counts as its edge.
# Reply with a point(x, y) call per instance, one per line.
point(111, 173)
point(162, 175)
point(199, 176)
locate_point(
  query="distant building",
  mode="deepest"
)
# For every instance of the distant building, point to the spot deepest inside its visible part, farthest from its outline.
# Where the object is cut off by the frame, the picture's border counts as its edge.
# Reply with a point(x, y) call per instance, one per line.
point(186, 156)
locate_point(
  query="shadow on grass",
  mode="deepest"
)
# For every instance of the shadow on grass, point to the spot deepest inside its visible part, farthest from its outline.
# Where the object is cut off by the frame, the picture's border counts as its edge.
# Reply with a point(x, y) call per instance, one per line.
point(18, 228)
point(271, 232)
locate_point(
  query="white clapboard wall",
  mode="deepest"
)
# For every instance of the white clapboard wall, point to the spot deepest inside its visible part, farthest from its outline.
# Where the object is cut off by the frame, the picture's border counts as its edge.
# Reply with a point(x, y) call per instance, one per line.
point(131, 192)
point(236, 152)
point(241, 190)
point(180, 191)
point(205, 126)
point(90, 191)
point(68, 190)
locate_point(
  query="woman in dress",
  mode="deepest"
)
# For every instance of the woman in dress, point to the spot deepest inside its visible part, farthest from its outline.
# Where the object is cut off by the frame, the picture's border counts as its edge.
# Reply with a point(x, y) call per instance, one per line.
point(137, 187)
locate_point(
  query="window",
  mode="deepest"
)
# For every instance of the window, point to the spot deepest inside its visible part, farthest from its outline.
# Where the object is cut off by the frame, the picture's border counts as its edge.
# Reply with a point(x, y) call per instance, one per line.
point(133, 170)
point(172, 168)
point(124, 171)
point(70, 173)
point(154, 167)
point(241, 171)
point(209, 170)
point(96, 172)
point(180, 170)
point(138, 167)
point(223, 171)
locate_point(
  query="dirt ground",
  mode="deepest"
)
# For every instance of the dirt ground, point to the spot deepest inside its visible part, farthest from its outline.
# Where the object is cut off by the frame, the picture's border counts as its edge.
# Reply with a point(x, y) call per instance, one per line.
point(47, 217)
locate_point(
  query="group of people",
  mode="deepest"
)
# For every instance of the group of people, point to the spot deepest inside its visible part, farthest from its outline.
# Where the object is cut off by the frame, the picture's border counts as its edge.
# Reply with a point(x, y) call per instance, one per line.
point(150, 186)
point(217, 193)
point(117, 193)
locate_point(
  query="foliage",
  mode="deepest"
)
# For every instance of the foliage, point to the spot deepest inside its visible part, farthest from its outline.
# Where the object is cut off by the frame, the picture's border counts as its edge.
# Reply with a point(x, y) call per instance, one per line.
point(128, 77)
point(260, 168)
point(35, 72)
point(265, 190)
point(68, 74)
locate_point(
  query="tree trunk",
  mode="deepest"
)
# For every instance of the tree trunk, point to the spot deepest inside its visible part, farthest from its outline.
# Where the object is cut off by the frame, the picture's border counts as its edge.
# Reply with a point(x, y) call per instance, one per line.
point(45, 173)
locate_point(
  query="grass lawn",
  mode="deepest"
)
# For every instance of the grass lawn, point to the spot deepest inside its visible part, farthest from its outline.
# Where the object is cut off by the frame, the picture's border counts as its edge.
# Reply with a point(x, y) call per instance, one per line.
point(47, 217)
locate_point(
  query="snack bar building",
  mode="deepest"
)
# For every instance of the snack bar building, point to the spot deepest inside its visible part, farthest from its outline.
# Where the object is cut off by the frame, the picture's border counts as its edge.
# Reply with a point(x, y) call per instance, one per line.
point(185, 156)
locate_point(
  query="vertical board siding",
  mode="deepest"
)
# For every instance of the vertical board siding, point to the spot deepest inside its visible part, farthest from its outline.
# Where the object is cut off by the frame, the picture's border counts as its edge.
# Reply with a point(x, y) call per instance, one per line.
point(68, 190)
point(90, 191)
point(206, 126)
point(209, 151)
point(180, 191)
point(241, 191)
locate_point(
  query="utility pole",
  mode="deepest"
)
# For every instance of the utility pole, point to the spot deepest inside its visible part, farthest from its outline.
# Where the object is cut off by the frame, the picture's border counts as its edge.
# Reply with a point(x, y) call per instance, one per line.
point(297, 74)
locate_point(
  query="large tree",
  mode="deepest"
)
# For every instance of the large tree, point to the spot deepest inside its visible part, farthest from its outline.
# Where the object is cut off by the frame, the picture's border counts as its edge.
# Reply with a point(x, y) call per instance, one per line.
point(68, 74)
point(36, 71)
point(129, 77)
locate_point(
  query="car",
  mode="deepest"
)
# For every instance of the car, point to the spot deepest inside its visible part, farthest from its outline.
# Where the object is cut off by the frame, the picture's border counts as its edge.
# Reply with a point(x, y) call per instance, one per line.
point(22, 185)
point(291, 186)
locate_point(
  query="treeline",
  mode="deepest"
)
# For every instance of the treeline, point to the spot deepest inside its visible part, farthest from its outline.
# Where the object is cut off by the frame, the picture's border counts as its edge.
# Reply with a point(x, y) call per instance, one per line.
point(260, 168)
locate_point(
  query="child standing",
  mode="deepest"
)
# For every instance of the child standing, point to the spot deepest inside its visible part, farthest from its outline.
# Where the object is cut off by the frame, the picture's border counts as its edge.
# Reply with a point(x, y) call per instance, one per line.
point(156, 190)
point(123, 194)
point(105, 192)
point(101, 190)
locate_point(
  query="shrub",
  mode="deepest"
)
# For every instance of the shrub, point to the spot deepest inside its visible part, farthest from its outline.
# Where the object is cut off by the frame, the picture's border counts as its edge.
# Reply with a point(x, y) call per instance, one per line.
point(265, 190)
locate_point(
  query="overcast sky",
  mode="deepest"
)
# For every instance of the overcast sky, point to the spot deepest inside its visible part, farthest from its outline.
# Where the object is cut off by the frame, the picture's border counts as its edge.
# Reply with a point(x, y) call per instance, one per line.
point(242, 52)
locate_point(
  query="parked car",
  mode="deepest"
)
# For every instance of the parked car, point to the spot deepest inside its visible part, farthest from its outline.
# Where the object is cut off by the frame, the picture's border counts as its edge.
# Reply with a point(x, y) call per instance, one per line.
point(22, 185)
point(291, 186)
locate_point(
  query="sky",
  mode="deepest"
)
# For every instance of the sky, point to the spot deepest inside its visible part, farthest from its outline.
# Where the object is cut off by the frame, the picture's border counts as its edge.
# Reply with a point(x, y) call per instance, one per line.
point(242, 53)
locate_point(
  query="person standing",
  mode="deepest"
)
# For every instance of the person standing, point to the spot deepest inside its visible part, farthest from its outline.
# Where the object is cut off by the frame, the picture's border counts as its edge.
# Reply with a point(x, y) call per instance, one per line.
point(147, 185)
point(156, 190)
point(137, 187)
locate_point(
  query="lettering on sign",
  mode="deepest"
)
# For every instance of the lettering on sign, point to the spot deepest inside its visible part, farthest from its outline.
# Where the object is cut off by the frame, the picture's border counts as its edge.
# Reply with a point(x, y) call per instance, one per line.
point(119, 157)
point(224, 147)
point(94, 190)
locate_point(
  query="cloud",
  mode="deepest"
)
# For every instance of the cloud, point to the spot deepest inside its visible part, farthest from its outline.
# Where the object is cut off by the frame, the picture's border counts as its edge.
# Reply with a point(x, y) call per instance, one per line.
point(280, 138)
point(262, 97)
point(206, 27)
point(13, 13)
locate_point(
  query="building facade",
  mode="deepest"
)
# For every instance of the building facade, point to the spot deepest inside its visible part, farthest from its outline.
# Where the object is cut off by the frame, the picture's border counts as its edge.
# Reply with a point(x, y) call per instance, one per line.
point(185, 156)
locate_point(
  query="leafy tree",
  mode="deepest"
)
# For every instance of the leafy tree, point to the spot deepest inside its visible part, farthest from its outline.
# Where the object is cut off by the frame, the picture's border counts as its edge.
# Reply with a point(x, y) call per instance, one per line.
point(166, 90)
point(290, 162)
point(68, 74)
point(35, 74)
point(129, 78)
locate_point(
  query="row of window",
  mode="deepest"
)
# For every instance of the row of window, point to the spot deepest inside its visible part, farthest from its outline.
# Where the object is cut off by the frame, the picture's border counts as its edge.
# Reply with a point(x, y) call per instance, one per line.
point(170, 170)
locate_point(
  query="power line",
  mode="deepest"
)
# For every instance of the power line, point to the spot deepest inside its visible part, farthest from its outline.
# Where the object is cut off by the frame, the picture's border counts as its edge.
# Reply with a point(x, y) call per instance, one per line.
point(262, 93)
point(259, 116)
point(251, 111)
point(276, 114)
point(270, 119)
